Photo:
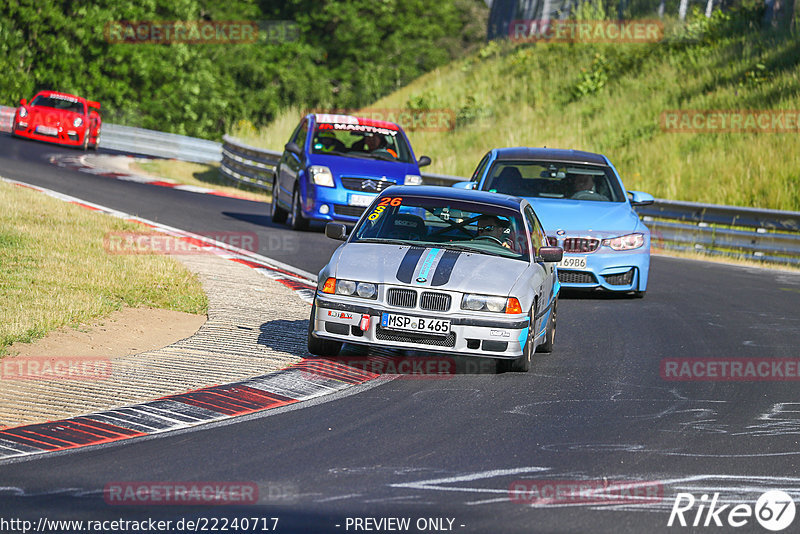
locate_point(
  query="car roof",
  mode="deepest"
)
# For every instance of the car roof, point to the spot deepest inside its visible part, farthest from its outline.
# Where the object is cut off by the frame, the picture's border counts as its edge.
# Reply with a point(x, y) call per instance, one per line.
point(436, 191)
point(58, 93)
point(352, 119)
point(550, 154)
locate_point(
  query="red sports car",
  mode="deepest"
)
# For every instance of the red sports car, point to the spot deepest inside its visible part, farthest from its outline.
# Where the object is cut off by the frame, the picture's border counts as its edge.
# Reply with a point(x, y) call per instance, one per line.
point(59, 118)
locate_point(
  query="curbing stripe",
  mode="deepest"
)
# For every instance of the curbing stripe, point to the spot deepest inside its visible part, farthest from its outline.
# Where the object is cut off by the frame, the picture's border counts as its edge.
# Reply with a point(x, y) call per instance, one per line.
point(308, 379)
point(80, 163)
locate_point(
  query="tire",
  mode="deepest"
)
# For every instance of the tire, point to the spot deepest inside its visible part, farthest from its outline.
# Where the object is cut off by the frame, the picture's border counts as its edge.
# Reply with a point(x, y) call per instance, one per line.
point(639, 294)
point(278, 213)
point(298, 221)
point(86, 141)
point(321, 347)
point(96, 142)
point(523, 363)
point(550, 333)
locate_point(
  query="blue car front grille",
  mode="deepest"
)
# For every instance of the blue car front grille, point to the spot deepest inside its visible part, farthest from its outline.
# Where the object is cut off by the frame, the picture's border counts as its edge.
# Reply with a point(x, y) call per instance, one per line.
point(368, 185)
point(576, 277)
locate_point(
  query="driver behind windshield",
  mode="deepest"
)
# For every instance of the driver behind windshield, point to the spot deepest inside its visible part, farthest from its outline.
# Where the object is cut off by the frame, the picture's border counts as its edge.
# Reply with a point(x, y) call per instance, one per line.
point(493, 227)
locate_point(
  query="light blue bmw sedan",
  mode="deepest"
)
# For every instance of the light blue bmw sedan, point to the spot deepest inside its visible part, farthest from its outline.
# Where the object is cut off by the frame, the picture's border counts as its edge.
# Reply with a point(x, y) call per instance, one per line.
point(584, 209)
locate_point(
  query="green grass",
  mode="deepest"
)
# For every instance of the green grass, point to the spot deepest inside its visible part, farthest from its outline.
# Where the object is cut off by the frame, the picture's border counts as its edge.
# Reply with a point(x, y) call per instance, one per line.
point(609, 98)
point(56, 272)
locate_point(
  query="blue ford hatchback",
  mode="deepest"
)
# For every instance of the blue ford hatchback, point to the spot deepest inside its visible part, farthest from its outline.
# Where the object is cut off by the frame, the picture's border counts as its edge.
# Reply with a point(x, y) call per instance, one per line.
point(334, 165)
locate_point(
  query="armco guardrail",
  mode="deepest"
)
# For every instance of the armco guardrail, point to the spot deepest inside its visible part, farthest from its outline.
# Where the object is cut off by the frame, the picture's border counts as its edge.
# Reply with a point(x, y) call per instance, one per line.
point(164, 145)
point(142, 141)
point(752, 233)
point(248, 165)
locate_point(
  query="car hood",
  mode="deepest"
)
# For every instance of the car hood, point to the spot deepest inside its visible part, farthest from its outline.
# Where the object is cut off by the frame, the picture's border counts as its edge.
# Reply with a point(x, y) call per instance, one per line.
point(440, 268)
point(363, 167)
point(581, 216)
point(51, 116)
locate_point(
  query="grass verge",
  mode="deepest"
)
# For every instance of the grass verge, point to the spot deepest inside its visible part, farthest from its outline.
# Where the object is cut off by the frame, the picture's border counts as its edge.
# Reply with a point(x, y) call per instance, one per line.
point(56, 272)
point(609, 98)
point(198, 174)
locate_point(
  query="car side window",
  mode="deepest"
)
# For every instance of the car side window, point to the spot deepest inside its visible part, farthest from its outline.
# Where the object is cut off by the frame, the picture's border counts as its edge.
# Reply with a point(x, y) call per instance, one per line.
point(476, 176)
point(538, 238)
point(300, 134)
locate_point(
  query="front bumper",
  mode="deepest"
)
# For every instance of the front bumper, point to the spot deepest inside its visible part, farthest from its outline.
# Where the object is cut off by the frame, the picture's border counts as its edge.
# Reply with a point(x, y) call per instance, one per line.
point(491, 335)
point(612, 271)
point(332, 204)
point(69, 137)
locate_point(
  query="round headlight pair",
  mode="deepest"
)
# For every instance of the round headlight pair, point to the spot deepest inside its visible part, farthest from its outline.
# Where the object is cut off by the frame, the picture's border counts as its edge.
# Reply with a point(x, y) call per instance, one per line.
point(364, 290)
point(483, 303)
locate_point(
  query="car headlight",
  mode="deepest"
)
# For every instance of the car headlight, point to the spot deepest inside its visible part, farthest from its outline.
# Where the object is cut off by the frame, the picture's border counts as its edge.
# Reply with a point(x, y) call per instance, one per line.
point(489, 303)
point(77, 122)
point(625, 242)
point(350, 288)
point(413, 179)
point(321, 175)
point(23, 112)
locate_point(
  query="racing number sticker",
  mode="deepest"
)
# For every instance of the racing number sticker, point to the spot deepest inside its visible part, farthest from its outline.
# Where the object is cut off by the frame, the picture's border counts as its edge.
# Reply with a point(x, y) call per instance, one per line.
point(386, 201)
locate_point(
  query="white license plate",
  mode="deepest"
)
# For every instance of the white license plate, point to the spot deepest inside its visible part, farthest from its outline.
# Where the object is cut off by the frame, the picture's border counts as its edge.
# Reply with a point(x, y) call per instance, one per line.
point(415, 324)
point(47, 130)
point(360, 200)
point(572, 262)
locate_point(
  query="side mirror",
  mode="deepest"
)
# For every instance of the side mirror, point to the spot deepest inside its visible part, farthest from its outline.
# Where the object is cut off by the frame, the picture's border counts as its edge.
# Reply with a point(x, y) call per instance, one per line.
point(294, 148)
point(465, 185)
point(336, 231)
point(640, 199)
point(23, 102)
point(423, 161)
point(551, 254)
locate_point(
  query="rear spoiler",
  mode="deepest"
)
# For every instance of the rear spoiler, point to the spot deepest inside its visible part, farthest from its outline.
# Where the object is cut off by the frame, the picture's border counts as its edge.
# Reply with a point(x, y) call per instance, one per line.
point(92, 104)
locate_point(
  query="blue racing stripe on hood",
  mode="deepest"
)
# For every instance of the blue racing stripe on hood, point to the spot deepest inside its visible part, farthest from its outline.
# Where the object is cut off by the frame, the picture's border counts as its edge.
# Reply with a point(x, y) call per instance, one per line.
point(422, 277)
point(445, 267)
point(405, 273)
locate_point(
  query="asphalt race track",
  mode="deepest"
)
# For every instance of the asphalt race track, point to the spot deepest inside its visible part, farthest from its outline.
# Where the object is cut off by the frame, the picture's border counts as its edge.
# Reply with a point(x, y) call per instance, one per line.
point(596, 410)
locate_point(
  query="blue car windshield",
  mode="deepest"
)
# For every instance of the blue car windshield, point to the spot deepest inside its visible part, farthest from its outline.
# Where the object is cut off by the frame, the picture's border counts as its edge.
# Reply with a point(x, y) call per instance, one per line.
point(444, 223)
point(546, 179)
point(366, 141)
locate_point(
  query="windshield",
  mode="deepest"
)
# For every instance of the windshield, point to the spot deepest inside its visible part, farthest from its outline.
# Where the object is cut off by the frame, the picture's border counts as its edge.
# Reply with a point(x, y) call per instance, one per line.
point(554, 180)
point(360, 138)
point(445, 223)
point(58, 102)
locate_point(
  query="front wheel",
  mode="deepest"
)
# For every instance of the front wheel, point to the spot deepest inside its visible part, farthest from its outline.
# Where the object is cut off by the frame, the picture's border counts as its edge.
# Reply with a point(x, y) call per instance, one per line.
point(550, 333)
point(321, 347)
point(298, 221)
point(279, 214)
point(523, 363)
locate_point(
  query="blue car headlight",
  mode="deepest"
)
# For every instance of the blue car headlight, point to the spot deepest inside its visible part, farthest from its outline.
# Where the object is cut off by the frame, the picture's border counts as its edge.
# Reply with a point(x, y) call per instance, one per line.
point(413, 179)
point(321, 175)
point(625, 242)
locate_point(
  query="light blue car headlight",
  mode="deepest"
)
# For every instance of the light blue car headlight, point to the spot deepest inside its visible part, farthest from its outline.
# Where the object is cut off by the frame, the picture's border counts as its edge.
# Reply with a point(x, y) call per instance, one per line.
point(625, 242)
point(413, 179)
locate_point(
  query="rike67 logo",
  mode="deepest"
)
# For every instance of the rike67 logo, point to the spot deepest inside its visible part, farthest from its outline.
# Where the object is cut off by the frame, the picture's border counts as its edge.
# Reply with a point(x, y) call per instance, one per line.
point(774, 510)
